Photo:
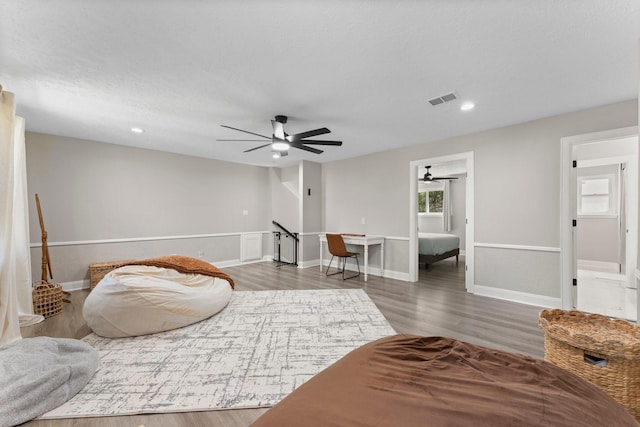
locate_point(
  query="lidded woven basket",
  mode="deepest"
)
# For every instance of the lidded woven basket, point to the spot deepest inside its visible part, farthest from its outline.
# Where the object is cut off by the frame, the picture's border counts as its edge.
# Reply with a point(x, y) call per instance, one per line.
point(604, 351)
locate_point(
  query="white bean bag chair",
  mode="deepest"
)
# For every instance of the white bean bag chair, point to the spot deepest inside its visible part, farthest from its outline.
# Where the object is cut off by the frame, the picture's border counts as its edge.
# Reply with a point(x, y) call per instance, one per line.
point(140, 299)
point(40, 374)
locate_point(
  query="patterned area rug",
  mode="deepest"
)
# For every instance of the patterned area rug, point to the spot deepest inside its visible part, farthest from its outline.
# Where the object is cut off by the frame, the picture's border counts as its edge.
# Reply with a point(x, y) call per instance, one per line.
point(257, 350)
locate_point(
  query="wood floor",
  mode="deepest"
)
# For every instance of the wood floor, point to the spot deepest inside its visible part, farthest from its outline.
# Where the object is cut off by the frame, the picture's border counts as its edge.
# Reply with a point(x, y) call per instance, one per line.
point(436, 305)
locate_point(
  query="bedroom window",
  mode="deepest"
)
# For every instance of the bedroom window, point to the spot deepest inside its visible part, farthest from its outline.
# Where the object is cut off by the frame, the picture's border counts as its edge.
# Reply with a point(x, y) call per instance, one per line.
point(430, 202)
point(594, 195)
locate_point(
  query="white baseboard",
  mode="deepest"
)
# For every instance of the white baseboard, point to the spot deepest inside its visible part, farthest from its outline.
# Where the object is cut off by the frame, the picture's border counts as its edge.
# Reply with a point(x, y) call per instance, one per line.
point(397, 275)
point(515, 296)
point(232, 263)
point(76, 285)
point(311, 263)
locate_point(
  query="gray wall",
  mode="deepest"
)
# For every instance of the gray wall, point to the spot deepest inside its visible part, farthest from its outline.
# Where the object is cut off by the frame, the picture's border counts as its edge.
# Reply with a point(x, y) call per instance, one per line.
point(517, 193)
point(93, 191)
point(311, 178)
point(285, 199)
point(311, 203)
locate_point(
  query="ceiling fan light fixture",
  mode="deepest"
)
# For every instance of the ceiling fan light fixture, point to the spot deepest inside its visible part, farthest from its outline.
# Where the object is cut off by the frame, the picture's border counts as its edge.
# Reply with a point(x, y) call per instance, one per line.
point(276, 155)
point(281, 141)
point(280, 146)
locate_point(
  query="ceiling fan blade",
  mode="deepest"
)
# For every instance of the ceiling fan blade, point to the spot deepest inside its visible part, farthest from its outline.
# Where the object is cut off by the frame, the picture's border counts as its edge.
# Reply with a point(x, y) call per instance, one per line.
point(320, 142)
point(445, 177)
point(245, 131)
point(256, 148)
point(278, 130)
point(308, 134)
point(305, 148)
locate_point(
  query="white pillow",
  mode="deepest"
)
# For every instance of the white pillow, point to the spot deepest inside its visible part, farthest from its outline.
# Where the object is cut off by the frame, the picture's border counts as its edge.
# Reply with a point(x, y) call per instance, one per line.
point(138, 300)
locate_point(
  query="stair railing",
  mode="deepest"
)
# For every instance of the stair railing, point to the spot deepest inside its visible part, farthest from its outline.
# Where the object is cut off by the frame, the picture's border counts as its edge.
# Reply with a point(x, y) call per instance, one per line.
point(285, 246)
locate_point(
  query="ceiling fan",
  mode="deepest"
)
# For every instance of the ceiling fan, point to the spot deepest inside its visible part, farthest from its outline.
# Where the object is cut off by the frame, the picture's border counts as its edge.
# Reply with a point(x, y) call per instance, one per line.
point(282, 141)
point(429, 178)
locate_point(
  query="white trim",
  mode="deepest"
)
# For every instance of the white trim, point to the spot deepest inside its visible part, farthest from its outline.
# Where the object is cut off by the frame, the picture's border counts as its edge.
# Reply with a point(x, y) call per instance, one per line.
point(517, 247)
point(604, 161)
point(247, 242)
point(236, 262)
point(231, 262)
point(315, 233)
point(307, 264)
point(406, 239)
point(602, 135)
point(597, 216)
point(142, 239)
point(520, 297)
point(397, 275)
point(76, 285)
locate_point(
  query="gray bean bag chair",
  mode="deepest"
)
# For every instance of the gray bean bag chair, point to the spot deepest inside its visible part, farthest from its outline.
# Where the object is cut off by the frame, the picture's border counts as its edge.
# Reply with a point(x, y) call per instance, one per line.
point(40, 374)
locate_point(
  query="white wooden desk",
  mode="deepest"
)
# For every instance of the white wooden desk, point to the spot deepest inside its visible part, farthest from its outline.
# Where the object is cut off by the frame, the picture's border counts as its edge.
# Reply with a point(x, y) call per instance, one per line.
point(365, 241)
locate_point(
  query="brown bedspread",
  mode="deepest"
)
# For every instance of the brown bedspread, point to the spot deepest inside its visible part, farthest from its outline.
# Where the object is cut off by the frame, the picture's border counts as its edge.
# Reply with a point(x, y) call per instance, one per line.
point(411, 381)
point(184, 264)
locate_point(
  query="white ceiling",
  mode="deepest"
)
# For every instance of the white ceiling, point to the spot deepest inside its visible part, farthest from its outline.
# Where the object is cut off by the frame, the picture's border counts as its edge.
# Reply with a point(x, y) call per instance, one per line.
point(181, 68)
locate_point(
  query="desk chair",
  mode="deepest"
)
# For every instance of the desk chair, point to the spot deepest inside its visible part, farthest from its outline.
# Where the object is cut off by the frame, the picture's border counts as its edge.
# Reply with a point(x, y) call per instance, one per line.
point(338, 249)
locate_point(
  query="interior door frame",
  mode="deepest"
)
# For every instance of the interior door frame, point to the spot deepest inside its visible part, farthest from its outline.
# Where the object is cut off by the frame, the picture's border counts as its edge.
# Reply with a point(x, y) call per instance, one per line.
point(469, 214)
point(568, 206)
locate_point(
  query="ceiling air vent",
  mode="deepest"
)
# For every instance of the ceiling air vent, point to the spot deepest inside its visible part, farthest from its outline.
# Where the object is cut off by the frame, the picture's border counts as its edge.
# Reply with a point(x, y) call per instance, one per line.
point(443, 98)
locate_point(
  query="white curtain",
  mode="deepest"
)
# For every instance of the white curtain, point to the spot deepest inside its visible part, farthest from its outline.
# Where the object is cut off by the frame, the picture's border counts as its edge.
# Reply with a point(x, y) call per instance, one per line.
point(15, 265)
point(446, 207)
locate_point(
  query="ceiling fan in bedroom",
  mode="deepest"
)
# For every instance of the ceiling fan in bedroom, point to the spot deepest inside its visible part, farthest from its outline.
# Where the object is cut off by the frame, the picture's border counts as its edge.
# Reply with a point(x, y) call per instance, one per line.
point(280, 141)
point(429, 178)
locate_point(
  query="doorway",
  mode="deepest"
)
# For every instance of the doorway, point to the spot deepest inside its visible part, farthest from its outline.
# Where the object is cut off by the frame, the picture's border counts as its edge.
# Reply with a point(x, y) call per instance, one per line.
point(465, 159)
point(599, 222)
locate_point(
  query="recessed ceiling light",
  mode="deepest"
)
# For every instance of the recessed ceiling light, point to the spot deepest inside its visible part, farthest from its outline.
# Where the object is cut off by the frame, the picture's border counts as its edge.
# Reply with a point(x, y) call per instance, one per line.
point(467, 106)
point(137, 130)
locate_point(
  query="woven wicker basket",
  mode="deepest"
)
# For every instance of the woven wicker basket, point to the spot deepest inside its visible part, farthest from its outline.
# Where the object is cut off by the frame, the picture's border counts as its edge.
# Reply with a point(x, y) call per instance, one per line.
point(47, 298)
point(603, 351)
point(100, 269)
